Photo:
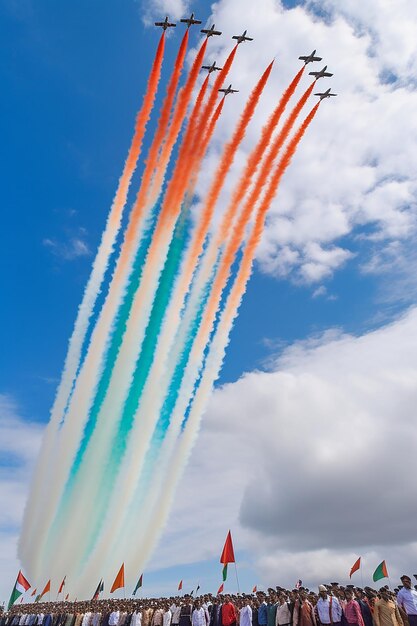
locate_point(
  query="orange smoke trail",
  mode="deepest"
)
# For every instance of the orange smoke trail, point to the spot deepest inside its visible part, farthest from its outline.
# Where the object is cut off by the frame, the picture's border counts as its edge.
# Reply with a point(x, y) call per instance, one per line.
point(226, 161)
point(256, 156)
point(140, 127)
point(238, 234)
point(152, 158)
point(245, 269)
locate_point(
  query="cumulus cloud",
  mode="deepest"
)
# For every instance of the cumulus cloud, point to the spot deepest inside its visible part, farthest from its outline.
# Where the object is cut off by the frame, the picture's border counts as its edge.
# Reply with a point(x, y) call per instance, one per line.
point(311, 463)
point(354, 173)
point(19, 445)
point(175, 9)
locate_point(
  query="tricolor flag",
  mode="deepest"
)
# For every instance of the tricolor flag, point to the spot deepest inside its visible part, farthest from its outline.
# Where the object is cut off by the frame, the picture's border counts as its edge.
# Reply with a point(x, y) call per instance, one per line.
point(228, 555)
point(220, 589)
point(138, 584)
point(66, 597)
point(45, 590)
point(33, 593)
point(255, 589)
point(180, 585)
point(355, 567)
point(21, 585)
point(62, 585)
point(119, 581)
point(380, 572)
point(224, 573)
point(100, 588)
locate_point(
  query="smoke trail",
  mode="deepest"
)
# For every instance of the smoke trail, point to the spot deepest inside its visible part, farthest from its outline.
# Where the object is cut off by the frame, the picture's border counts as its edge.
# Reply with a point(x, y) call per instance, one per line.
point(175, 464)
point(123, 370)
point(140, 422)
point(89, 374)
point(91, 292)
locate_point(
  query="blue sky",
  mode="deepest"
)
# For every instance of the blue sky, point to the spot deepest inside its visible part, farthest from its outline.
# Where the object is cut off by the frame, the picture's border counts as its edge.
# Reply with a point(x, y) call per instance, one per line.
point(72, 78)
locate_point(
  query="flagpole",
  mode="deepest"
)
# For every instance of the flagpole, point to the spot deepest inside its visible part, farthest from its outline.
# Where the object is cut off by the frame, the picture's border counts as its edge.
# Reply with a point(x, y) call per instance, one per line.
point(237, 579)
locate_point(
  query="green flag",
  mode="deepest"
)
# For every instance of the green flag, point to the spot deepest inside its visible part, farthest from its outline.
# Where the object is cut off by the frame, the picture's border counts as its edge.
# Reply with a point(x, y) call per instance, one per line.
point(380, 572)
point(225, 572)
point(20, 587)
point(138, 584)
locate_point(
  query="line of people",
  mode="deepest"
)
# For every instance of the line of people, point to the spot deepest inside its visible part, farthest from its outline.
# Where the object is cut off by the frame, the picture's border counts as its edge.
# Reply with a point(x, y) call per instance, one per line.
point(333, 605)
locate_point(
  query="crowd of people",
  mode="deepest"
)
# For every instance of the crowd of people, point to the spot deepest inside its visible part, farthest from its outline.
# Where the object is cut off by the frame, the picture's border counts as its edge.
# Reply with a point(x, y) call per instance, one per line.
point(332, 605)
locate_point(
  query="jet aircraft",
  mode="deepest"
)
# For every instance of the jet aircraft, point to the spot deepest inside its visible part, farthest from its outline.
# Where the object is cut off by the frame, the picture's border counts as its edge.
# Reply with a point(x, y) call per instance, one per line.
point(321, 74)
point(211, 68)
point(310, 58)
point(228, 90)
point(190, 20)
point(165, 24)
point(242, 38)
point(210, 31)
point(325, 94)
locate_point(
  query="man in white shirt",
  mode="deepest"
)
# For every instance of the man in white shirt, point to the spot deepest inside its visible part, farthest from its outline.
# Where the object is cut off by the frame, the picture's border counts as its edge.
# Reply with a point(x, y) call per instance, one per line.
point(175, 610)
point(328, 608)
point(114, 618)
point(245, 614)
point(200, 616)
point(166, 619)
point(407, 600)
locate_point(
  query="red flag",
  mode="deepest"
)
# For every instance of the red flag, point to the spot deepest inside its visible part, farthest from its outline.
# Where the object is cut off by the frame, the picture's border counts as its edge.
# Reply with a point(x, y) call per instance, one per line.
point(220, 589)
point(62, 585)
point(46, 589)
point(228, 555)
point(355, 567)
point(255, 589)
point(33, 593)
point(119, 581)
point(180, 585)
point(66, 597)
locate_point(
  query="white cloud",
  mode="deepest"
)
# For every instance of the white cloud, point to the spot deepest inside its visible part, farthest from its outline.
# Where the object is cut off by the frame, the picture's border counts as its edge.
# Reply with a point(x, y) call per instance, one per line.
point(354, 172)
point(19, 445)
point(73, 248)
point(158, 9)
point(311, 464)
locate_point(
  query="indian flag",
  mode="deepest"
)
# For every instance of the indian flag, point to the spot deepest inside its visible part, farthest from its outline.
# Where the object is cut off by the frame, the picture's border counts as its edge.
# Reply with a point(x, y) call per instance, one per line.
point(21, 585)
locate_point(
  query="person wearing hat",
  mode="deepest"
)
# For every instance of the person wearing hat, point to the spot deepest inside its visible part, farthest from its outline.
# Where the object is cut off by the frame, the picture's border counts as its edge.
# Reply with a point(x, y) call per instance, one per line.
point(328, 609)
point(407, 600)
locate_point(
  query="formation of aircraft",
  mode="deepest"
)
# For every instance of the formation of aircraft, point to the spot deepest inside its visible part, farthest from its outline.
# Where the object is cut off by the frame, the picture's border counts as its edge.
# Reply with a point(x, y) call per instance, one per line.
point(325, 94)
point(210, 31)
point(242, 38)
point(228, 90)
point(165, 24)
point(310, 58)
point(321, 74)
point(190, 20)
point(211, 68)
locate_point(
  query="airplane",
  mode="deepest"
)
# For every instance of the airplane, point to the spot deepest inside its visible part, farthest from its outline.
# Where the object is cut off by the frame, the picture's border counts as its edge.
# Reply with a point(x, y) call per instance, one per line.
point(320, 74)
point(242, 38)
point(325, 94)
point(229, 90)
point(211, 68)
point(210, 31)
point(310, 58)
point(190, 20)
point(165, 24)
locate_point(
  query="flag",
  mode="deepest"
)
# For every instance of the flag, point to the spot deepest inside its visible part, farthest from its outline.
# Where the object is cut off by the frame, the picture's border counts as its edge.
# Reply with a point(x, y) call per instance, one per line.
point(220, 589)
point(224, 573)
point(66, 597)
point(33, 593)
point(138, 584)
point(255, 589)
point(21, 585)
point(62, 585)
point(298, 583)
point(180, 585)
point(355, 567)
point(380, 572)
point(99, 589)
point(119, 581)
point(198, 587)
point(228, 555)
point(46, 589)
point(192, 592)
